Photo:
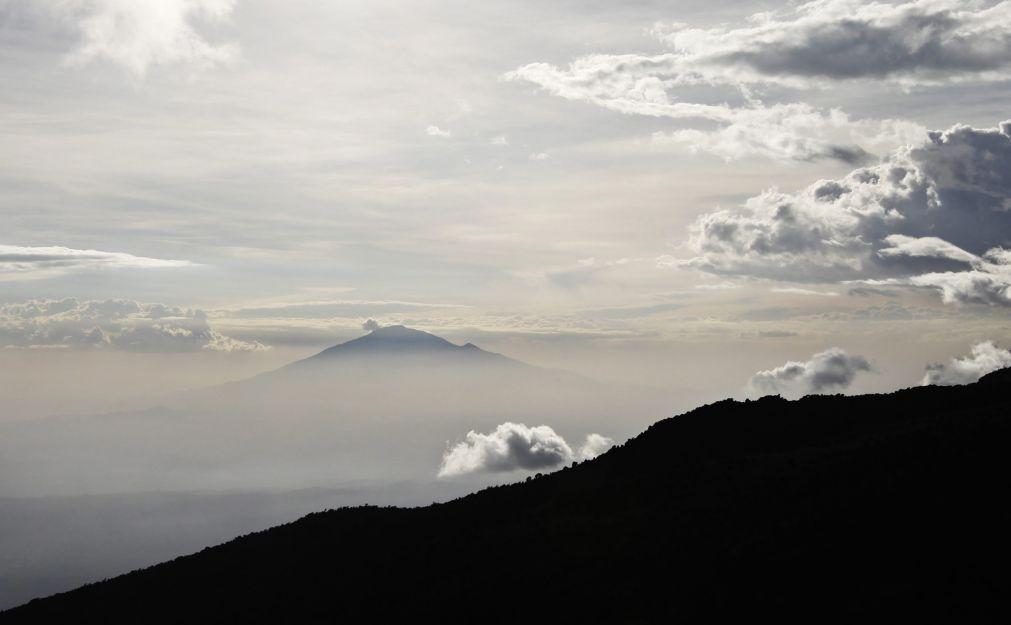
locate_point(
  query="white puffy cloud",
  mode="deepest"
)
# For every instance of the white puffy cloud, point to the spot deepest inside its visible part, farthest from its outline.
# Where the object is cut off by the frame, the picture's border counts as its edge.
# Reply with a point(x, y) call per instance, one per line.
point(515, 446)
point(830, 370)
point(137, 34)
point(22, 262)
point(935, 214)
point(112, 324)
point(985, 358)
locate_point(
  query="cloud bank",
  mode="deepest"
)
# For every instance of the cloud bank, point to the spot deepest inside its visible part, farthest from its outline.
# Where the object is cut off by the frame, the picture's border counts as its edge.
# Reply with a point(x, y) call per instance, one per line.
point(936, 214)
point(789, 131)
point(112, 324)
point(811, 45)
point(138, 34)
point(922, 42)
point(515, 446)
point(985, 358)
point(830, 370)
point(18, 261)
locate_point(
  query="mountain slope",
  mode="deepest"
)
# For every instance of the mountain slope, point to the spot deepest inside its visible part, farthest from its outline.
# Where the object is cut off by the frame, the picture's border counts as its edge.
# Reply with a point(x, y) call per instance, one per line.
point(828, 508)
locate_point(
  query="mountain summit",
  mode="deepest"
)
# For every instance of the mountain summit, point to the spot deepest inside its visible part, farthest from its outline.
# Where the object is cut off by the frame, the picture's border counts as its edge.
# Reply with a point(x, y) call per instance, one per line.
point(399, 340)
point(830, 508)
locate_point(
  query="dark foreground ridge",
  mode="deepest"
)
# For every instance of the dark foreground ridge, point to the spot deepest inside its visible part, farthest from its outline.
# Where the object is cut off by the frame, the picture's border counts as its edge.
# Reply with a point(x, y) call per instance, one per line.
point(828, 508)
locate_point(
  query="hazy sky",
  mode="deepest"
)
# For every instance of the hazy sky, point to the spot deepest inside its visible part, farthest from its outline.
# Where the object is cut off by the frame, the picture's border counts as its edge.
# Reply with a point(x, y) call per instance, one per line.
point(678, 193)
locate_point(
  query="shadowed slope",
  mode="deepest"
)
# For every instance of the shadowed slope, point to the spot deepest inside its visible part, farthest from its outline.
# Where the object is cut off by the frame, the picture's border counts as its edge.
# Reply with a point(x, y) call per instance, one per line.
point(827, 508)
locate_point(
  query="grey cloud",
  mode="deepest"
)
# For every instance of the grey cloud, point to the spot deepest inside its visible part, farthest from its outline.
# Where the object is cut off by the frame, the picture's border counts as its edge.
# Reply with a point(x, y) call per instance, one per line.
point(916, 42)
point(830, 370)
point(370, 325)
point(793, 48)
point(985, 358)
point(913, 43)
point(936, 214)
point(515, 446)
point(18, 261)
point(113, 324)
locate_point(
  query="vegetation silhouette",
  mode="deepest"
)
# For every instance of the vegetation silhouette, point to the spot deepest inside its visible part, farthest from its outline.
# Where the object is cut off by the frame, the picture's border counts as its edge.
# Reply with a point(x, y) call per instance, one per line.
point(831, 508)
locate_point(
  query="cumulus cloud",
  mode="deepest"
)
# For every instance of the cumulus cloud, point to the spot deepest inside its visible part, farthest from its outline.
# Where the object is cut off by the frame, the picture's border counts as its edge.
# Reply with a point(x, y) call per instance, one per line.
point(985, 358)
point(138, 34)
point(19, 262)
point(830, 370)
point(515, 446)
point(112, 324)
point(935, 214)
point(371, 325)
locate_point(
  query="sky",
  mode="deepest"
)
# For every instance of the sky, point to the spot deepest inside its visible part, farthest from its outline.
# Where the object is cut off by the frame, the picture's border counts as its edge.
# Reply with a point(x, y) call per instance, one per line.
point(717, 198)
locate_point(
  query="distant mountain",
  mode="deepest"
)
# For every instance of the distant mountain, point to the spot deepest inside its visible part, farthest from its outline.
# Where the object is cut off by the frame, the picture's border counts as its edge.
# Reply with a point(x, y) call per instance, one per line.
point(401, 347)
point(402, 341)
point(830, 508)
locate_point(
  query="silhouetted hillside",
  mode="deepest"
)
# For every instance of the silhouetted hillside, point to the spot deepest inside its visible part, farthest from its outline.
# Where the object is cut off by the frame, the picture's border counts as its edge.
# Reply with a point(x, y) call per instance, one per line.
point(828, 508)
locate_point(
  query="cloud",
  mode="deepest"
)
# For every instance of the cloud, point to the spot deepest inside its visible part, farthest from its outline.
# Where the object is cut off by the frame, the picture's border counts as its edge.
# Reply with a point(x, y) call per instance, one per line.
point(41, 262)
point(790, 131)
point(371, 325)
point(515, 446)
point(113, 324)
point(934, 214)
point(921, 42)
point(797, 291)
point(985, 358)
point(815, 44)
point(830, 370)
point(138, 34)
point(435, 131)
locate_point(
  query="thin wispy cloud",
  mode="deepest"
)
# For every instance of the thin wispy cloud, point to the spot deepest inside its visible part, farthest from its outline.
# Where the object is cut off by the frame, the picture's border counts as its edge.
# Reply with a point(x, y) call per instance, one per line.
point(435, 131)
point(27, 262)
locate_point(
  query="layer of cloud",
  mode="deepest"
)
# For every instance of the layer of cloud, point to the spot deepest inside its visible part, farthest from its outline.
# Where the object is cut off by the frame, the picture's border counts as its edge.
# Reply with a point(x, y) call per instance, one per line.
point(515, 446)
point(935, 214)
point(816, 44)
point(827, 371)
point(912, 43)
point(792, 131)
point(20, 262)
point(138, 34)
point(112, 324)
point(985, 358)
